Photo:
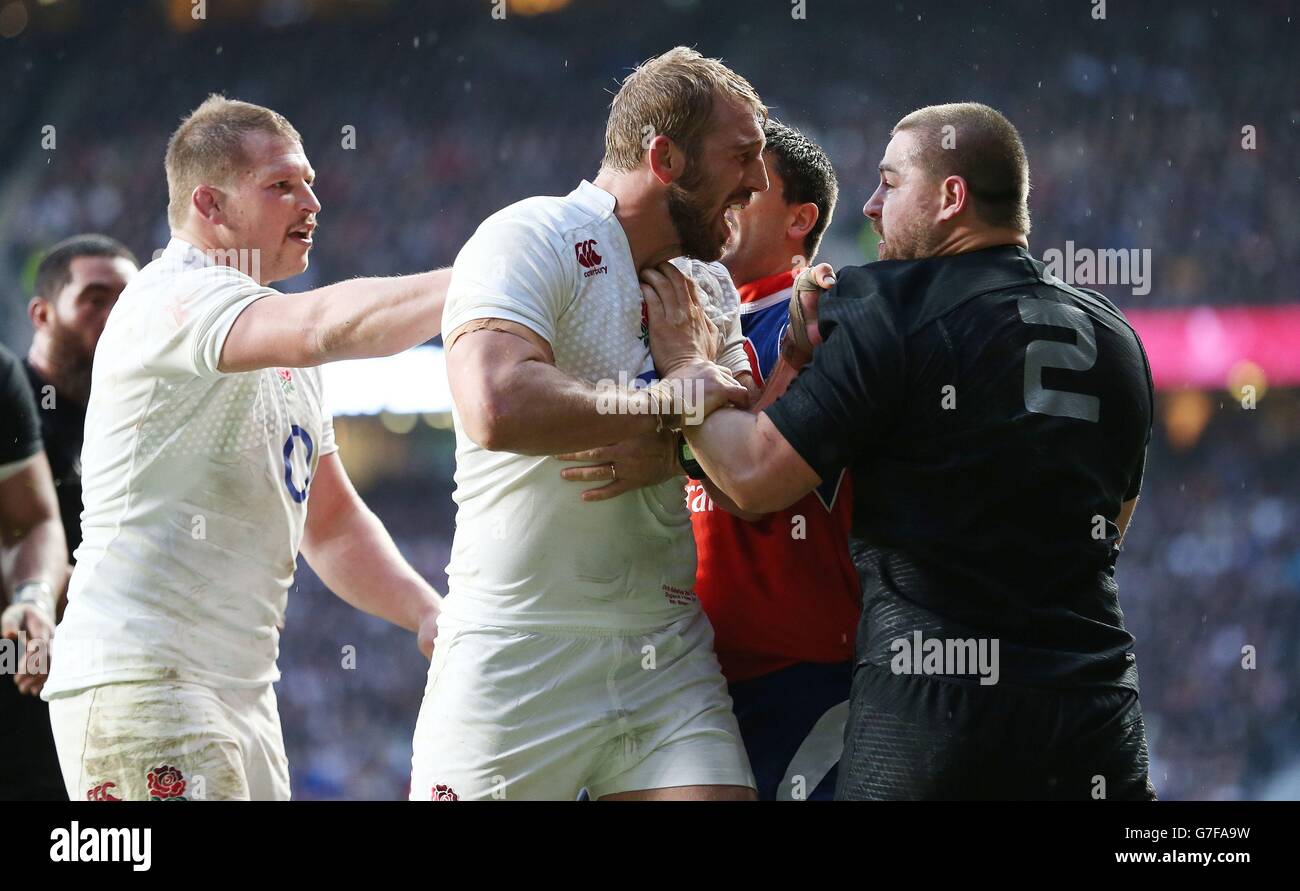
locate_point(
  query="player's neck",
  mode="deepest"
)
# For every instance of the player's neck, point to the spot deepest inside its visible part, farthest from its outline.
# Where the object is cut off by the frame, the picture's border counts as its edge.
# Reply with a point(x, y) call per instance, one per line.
point(191, 235)
point(643, 214)
point(210, 243)
point(744, 272)
point(963, 241)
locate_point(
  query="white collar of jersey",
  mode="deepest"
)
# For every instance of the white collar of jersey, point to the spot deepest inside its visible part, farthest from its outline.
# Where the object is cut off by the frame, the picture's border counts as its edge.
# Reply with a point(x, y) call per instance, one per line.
point(762, 303)
point(594, 198)
point(179, 250)
point(182, 256)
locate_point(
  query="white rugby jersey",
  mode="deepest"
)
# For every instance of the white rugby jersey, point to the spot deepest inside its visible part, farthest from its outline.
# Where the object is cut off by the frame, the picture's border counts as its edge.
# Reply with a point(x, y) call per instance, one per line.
point(527, 551)
point(195, 490)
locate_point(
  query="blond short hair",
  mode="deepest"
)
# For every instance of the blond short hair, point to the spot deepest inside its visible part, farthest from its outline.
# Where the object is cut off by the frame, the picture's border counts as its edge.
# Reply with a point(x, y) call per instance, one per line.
point(983, 148)
point(672, 95)
point(208, 147)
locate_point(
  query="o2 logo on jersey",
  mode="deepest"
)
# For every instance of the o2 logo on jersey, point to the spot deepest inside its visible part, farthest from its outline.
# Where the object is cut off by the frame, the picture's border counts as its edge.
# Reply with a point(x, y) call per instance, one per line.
point(297, 433)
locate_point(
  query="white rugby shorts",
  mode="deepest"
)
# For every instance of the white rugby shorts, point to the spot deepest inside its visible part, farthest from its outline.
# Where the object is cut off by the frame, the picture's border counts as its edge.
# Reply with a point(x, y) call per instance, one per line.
point(519, 714)
point(161, 741)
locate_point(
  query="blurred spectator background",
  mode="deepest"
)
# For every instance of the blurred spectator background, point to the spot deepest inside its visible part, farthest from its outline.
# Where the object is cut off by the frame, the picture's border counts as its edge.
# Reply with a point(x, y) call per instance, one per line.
point(1134, 129)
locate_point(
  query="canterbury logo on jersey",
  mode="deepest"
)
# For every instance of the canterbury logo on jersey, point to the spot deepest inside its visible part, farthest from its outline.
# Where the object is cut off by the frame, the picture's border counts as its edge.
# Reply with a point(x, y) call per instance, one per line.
point(588, 258)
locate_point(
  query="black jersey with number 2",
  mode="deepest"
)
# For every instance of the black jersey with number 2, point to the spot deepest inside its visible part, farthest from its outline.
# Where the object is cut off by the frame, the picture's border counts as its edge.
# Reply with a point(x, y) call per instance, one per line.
point(995, 419)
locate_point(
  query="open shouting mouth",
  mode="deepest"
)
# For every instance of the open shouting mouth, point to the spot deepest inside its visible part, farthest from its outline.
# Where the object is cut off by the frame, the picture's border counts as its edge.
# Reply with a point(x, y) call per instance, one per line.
point(302, 234)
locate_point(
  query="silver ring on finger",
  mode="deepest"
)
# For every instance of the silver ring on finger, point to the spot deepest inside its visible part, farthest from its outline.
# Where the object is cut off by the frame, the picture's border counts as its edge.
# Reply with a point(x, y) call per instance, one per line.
point(613, 472)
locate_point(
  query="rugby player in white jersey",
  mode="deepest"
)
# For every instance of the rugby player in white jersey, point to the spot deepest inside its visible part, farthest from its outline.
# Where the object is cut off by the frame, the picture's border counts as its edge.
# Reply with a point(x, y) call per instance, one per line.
point(209, 462)
point(572, 650)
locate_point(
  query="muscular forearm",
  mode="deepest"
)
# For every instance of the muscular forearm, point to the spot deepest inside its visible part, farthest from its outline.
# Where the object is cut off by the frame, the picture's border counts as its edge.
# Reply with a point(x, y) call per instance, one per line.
point(40, 554)
point(723, 500)
point(731, 448)
point(536, 409)
point(32, 545)
point(367, 317)
point(358, 561)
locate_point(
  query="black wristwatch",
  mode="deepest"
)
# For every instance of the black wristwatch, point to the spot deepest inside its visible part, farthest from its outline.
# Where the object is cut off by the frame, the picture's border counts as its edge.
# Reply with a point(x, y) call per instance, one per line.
point(686, 458)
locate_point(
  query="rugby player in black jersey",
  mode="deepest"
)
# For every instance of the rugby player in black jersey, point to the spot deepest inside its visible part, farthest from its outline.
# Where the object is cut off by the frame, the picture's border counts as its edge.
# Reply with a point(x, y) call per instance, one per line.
point(995, 420)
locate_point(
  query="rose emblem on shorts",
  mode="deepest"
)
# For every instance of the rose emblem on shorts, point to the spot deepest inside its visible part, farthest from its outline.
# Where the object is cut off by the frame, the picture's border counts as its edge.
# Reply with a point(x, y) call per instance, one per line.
point(166, 783)
point(443, 792)
point(286, 379)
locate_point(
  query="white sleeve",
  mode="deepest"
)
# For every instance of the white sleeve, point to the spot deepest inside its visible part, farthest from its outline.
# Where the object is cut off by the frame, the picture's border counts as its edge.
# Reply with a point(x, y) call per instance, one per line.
point(197, 317)
point(509, 270)
point(327, 442)
point(721, 302)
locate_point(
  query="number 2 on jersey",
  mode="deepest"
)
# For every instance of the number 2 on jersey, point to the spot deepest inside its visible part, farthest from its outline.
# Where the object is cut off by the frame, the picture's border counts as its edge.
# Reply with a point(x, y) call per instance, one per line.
point(1078, 356)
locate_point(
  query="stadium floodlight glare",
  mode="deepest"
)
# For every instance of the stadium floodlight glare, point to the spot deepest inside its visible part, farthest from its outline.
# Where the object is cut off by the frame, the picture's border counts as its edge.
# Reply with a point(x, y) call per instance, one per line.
point(413, 382)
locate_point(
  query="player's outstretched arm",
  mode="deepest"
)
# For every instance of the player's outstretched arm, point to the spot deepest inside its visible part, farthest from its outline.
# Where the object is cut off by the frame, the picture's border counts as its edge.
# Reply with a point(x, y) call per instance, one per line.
point(357, 319)
point(723, 500)
point(33, 561)
point(747, 458)
point(512, 398)
point(349, 548)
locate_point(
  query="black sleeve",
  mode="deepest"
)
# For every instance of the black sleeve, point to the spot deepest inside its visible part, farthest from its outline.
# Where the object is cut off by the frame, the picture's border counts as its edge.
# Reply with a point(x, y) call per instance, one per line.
point(20, 428)
point(846, 399)
point(1135, 481)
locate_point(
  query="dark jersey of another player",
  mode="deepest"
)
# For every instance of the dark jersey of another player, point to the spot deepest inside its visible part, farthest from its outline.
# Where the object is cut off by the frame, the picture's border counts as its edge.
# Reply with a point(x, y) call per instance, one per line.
point(63, 427)
point(995, 419)
point(20, 431)
point(781, 590)
point(29, 766)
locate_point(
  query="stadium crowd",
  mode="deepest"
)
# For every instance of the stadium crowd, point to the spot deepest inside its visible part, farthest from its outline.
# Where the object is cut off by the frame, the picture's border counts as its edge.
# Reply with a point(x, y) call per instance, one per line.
point(1134, 137)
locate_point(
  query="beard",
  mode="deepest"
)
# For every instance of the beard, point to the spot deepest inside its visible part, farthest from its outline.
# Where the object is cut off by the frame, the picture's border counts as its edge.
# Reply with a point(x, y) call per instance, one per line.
point(73, 362)
point(909, 241)
point(693, 219)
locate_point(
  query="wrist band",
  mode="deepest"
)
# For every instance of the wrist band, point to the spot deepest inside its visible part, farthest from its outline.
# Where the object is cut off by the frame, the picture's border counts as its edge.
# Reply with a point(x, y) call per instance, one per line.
point(34, 591)
point(677, 420)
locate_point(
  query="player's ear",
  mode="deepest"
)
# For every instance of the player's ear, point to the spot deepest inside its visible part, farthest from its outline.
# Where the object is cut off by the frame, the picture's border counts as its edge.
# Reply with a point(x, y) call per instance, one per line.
point(953, 197)
point(805, 217)
point(38, 310)
point(207, 202)
point(667, 162)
